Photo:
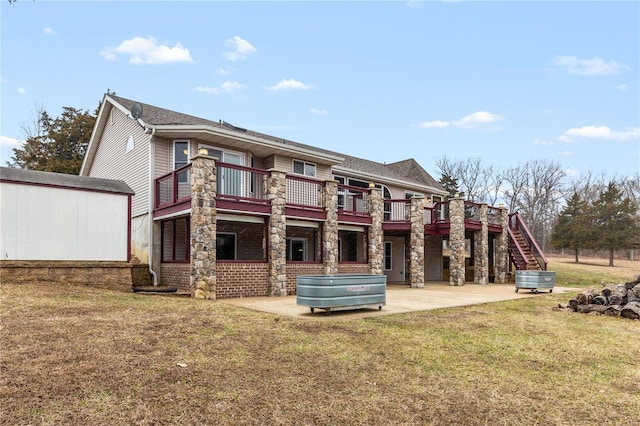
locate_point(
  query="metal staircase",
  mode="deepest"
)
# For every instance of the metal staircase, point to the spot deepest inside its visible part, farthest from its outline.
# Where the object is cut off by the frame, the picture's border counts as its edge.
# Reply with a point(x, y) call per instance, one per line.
point(524, 251)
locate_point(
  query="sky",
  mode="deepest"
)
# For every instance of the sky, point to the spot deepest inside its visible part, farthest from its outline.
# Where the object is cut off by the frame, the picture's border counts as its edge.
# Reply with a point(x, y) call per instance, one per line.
point(507, 82)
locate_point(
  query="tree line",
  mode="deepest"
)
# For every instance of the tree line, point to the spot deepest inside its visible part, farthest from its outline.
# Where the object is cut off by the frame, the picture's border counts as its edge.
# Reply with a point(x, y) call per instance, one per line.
point(592, 212)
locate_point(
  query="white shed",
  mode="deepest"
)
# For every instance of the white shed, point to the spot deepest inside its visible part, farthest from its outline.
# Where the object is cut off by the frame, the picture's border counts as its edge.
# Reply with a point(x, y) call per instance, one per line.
point(54, 216)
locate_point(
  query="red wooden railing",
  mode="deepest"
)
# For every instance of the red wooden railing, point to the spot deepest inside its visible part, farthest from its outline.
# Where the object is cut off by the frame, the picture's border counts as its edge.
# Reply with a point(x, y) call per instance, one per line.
point(353, 200)
point(304, 192)
point(174, 187)
point(516, 223)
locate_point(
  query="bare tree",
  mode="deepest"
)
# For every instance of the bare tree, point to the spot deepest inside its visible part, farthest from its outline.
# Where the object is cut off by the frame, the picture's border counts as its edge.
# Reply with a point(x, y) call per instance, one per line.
point(475, 179)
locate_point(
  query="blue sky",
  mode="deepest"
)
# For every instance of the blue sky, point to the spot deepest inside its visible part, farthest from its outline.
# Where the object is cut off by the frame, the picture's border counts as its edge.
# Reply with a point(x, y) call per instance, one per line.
point(504, 81)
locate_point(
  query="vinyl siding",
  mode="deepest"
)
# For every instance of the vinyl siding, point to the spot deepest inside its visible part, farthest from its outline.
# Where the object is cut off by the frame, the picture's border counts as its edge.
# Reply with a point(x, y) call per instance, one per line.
point(111, 161)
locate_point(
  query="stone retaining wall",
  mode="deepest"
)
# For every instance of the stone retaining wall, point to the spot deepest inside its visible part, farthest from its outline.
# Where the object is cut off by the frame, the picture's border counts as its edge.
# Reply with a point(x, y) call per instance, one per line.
point(112, 275)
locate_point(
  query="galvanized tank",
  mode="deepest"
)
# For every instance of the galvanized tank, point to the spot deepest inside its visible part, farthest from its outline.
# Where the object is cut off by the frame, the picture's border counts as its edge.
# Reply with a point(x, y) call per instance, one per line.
point(535, 280)
point(342, 291)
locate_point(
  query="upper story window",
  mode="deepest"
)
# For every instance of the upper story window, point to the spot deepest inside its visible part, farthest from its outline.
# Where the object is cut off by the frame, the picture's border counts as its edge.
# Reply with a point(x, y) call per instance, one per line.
point(180, 154)
point(304, 168)
point(409, 194)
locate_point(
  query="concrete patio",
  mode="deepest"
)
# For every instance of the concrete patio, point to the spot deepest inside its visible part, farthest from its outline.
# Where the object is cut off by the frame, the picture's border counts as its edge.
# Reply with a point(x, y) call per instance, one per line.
point(400, 299)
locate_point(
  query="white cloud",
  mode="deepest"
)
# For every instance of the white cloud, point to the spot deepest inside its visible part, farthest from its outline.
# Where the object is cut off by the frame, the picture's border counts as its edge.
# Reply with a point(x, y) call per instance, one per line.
point(599, 132)
point(469, 121)
point(318, 111)
point(7, 142)
point(232, 86)
point(224, 71)
point(147, 51)
point(542, 142)
point(241, 48)
point(588, 67)
point(436, 124)
point(479, 117)
point(21, 91)
point(290, 84)
point(208, 90)
point(48, 31)
point(566, 153)
point(622, 87)
point(571, 172)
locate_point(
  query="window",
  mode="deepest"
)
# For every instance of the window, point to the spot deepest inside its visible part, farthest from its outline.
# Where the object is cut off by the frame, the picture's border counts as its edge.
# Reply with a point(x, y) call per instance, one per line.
point(225, 246)
point(304, 168)
point(387, 256)
point(297, 249)
point(409, 194)
point(180, 154)
point(229, 181)
point(175, 240)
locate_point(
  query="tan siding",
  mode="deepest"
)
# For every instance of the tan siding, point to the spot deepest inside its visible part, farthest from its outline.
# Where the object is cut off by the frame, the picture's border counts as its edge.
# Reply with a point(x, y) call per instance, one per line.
point(162, 153)
point(111, 161)
point(285, 164)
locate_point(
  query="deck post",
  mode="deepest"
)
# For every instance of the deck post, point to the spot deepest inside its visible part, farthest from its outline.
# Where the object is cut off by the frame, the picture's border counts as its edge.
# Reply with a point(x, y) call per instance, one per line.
point(277, 194)
point(456, 242)
point(416, 249)
point(330, 228)
point(203, 225)
point(376, 245)
point(481, 249)
point(501, 249)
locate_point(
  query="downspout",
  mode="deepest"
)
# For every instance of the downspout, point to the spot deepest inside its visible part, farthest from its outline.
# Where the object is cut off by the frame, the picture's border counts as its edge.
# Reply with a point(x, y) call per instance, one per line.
point(152, 194)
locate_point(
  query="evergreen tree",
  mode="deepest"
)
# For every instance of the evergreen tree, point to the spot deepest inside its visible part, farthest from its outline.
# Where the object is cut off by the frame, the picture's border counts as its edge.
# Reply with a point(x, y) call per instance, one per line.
point(571, 230)
point(59, 145)
point(449, 183)
point(614, 221)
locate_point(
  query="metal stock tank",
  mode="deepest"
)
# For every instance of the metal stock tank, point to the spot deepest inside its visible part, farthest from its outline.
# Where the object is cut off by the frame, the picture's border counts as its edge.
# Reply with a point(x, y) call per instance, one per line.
point(341, 292)
point(535, 280)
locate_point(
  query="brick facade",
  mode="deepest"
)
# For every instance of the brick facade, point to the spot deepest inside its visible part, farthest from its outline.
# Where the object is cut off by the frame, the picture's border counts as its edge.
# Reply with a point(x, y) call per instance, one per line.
point(295, 269)
point(176, 275)
point(240, 279)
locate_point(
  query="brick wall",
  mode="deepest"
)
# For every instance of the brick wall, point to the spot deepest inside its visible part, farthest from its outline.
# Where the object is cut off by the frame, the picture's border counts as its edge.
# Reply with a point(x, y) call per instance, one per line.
point(112, 275)
point(353, 268)
point(176, 275)
point(250, 238)
point(236, 279)
point(295, 269)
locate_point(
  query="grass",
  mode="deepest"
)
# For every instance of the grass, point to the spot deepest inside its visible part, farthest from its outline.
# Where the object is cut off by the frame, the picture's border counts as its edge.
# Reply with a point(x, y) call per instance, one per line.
point(592, 272)
point(79, 355)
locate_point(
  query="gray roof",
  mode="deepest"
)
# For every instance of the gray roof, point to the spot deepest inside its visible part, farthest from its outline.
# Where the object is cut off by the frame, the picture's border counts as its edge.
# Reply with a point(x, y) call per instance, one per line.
point(407, 170)
point(8, 174)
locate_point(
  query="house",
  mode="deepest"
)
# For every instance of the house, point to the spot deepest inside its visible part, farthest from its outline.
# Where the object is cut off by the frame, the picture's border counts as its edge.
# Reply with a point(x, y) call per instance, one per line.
point(222, 211)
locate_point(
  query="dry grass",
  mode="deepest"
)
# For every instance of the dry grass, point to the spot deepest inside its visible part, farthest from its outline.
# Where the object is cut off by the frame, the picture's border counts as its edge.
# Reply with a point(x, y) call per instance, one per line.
point(77, 355)
point(592, 272)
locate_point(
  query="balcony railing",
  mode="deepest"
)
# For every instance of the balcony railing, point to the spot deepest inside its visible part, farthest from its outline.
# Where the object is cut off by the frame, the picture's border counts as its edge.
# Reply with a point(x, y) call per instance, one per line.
point(304, 192)
point(174, 187)
point(240, 183)
point(397, 210)
point(353, 200)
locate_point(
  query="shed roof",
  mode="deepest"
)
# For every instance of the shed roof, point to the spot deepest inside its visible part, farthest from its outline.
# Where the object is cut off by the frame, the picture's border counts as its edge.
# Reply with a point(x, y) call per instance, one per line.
point(34, 177)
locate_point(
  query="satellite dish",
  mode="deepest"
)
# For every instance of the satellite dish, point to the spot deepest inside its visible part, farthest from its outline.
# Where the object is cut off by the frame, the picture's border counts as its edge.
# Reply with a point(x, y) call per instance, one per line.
point(136, 110)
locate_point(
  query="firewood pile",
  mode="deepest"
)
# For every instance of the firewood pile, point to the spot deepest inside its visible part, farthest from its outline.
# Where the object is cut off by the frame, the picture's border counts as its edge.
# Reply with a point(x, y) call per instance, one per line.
point(615, 300)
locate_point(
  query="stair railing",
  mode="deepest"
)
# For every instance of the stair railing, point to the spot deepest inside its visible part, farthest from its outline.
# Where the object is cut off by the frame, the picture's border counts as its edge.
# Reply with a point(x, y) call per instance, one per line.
point(516, 223)
point(518, 257)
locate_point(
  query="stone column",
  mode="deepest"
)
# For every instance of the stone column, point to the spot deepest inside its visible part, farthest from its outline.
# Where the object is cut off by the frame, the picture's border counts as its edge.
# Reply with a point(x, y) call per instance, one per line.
point(416, 246)
point(501, 249)
point(277, 195)
point(203, 227)
point(481, 249)
point(330, 228)
point(456, 241)
point(376, 246)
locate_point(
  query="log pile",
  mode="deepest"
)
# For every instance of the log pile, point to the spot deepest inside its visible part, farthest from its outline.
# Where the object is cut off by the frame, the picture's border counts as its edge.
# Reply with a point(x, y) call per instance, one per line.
point(615, 300)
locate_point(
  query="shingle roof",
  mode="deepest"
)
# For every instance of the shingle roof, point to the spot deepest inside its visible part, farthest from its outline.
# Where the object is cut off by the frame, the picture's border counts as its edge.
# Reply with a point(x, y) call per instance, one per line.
point(8, 174)
point(407, 170)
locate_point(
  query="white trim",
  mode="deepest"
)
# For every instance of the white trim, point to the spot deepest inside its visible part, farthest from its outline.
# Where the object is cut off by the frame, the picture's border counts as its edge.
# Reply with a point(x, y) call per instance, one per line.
point(239, 218)
point(303, 223)
point(355, 173)
point(304, 167)
point(171, 215)
point(354, 228)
